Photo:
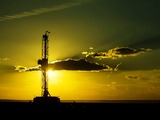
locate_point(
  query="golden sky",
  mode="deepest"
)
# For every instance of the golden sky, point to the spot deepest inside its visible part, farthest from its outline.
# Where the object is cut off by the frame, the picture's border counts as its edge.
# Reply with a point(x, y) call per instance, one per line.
point(98, 49)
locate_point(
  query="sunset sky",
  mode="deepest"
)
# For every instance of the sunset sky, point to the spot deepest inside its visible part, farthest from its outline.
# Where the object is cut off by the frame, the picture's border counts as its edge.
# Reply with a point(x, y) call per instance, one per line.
point(98, 49)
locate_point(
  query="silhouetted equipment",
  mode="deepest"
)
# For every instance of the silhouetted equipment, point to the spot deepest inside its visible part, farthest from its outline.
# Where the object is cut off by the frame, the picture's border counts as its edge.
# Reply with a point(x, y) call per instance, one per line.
point(45, 95)
point(44, 65)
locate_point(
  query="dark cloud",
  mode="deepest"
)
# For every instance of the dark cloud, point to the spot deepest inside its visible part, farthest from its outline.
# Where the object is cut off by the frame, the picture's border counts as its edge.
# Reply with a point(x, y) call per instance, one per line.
point(117, 52)
point(69, 64)
point(77, 64)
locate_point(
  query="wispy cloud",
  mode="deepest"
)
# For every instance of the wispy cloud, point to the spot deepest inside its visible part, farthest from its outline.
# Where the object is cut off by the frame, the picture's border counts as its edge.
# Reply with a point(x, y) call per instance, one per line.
point(20, 68)
point(39, 11)
point(117, 52)
point(4, 59)
point(131, 77)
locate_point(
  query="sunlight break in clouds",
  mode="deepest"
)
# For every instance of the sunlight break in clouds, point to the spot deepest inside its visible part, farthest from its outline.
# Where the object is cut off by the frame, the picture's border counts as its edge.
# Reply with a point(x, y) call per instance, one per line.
point(39, 11)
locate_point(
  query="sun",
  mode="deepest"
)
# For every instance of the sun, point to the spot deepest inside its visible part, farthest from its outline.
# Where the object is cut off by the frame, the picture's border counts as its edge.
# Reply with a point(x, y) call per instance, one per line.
point(51, 73)
point(52, 77)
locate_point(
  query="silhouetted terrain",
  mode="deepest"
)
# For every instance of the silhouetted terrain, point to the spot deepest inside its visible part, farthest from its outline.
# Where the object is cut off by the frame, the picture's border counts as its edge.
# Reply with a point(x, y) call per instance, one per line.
point(28, 108)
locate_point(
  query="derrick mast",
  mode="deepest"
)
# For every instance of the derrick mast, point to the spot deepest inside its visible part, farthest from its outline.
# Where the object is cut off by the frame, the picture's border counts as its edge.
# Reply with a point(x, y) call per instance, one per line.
point(44, 64)
point(45, 97)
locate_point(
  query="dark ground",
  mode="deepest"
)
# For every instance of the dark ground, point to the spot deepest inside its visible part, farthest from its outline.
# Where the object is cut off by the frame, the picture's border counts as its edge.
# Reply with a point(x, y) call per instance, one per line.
point(115, 108)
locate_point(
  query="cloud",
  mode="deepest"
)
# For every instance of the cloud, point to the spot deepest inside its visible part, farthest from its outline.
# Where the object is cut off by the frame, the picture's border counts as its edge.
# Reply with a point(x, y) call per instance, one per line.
point(131, 77)
point(68, 64)
point(5, 68)
point(144, 75)
point(20, 68)
point(117, 52)
point(4, 59)
point(77, 64)
point(39, 11)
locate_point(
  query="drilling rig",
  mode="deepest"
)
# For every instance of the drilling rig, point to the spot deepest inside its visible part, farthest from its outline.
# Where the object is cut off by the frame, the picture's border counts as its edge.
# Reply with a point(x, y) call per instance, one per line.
point(43, 62)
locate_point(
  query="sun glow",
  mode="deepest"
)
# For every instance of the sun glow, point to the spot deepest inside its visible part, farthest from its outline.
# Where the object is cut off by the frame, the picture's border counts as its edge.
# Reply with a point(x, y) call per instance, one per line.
point(52, 76)
point(51, 73)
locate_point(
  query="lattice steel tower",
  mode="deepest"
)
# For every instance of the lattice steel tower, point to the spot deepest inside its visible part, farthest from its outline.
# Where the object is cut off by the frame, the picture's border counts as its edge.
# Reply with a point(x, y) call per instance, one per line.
point(44, 64)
